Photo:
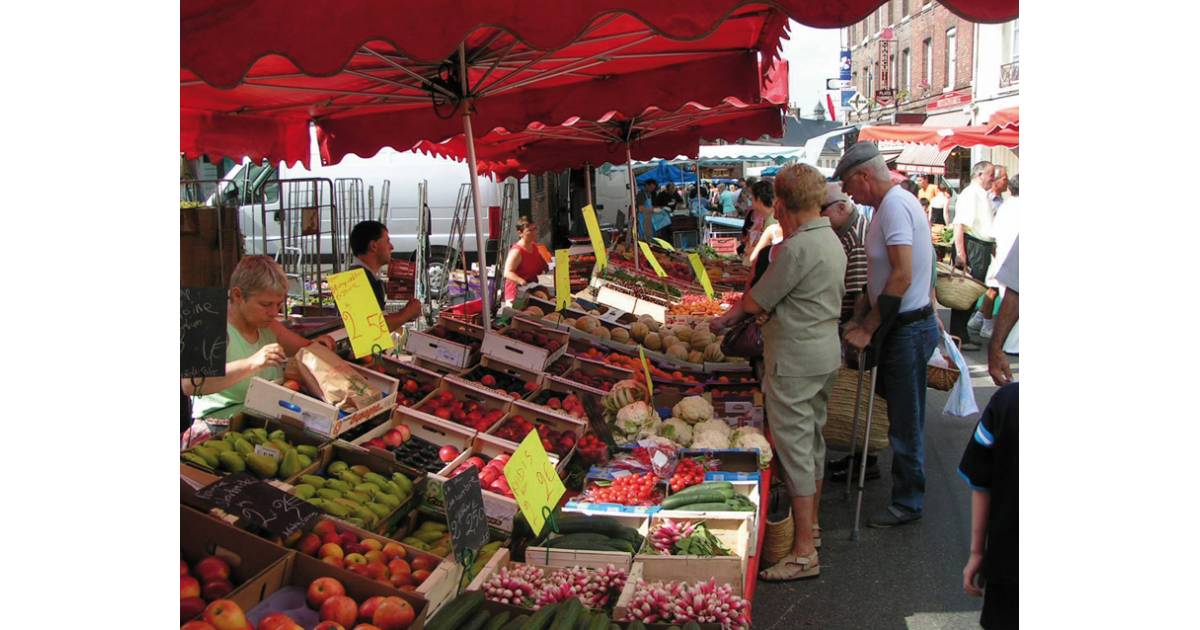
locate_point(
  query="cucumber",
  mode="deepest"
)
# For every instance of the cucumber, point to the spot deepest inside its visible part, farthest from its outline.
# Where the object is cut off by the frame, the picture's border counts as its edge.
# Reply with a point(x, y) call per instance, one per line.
point(476, 622)
point(616, 544)
point(600, 621)
point(575, 524)
point(541, 618)
point(714, 495)
point(704, 487)
point(517, 623)
point(627, 533)
point(573, 539)
point(456, 612)
point(568, 614)
point(497, 621)
point(711, 507)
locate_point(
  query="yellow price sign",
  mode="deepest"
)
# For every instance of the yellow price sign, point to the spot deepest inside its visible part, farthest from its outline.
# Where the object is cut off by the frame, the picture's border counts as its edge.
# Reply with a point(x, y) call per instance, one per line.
point(701, 273)
point(646, 367)
point(593, 228)
point(534, 482)
point(562, 279)
point(665, 245)
point(365, 325)
point(651, 259)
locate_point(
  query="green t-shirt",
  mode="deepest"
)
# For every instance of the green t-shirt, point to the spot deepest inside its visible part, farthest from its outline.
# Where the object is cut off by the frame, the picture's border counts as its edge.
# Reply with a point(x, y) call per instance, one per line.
point(227, 402)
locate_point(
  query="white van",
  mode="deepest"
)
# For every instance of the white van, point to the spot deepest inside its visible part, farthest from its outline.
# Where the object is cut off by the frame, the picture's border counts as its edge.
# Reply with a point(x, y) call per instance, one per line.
point(271, 199)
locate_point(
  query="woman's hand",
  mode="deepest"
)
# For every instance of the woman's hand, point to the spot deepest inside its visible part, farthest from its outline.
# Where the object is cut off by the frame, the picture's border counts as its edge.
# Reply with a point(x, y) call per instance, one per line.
point(717, 325)
point(972, 580)
point(762, 318)
point(271, 355)
point(857, 337)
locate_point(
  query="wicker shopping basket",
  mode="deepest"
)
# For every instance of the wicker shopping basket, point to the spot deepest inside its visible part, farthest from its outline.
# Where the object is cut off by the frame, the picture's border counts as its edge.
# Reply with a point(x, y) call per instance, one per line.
point(957, 290)
point(839, 422)
point(943, 378)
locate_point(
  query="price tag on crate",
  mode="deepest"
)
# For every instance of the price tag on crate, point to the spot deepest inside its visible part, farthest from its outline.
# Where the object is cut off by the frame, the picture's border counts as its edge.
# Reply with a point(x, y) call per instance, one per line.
point(534, 481)
point(202, 332)
point(701, 273)
point(593, 228)
point(365, 325)
point(562, 279)
point(465, 513)
point(651, 259)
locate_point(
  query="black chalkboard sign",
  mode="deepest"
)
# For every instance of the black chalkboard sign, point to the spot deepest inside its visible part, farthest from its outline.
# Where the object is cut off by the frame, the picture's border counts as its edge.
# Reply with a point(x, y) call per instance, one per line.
point(259, 503)
point(464, 512)
point(202, 337)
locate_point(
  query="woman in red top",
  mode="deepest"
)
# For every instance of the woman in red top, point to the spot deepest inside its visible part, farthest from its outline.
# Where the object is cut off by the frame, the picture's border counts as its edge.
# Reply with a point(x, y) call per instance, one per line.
point(524, 262)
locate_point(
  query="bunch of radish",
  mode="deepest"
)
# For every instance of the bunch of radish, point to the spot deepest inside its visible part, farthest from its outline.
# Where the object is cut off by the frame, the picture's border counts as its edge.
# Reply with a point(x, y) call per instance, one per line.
point(530, 587)
point(678, 602)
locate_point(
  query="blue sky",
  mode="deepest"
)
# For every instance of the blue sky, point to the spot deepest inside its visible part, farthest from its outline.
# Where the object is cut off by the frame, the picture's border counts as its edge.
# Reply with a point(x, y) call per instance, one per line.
point(812, 55)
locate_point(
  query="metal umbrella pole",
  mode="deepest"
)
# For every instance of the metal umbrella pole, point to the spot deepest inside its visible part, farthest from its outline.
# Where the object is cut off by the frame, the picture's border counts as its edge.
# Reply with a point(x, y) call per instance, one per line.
point(862, 470)
point(479, 248)
point(862, 365)
point(633, 209)
point(587, 182)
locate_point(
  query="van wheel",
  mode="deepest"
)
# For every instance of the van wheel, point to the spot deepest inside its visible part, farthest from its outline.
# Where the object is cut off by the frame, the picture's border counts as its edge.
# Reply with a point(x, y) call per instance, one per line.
point(436, 273)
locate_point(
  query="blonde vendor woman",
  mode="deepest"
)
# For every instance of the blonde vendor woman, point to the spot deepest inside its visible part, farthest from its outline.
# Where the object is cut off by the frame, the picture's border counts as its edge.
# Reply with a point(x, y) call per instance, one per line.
point(257, 345)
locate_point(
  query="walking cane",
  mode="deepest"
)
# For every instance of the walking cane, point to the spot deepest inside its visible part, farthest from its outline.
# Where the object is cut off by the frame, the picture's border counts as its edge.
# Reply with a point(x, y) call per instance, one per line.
point(862, 471)
point(854, 427)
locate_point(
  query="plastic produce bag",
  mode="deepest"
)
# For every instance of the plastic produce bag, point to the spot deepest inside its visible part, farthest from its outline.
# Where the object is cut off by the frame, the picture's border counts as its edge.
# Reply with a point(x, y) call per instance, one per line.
point(961, 402)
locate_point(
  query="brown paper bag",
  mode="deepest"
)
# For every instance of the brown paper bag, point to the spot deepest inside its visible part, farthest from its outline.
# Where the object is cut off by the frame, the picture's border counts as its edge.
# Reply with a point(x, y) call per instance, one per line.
point(339, 384)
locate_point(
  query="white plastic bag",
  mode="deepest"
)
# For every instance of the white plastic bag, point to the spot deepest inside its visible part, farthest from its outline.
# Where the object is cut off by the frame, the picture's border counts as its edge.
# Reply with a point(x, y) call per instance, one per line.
point(961, 402)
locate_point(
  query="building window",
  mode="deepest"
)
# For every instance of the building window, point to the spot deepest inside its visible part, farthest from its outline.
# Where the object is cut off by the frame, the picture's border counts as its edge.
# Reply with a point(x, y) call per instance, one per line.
point(866, 81)
point(927, 51)
point(890, 20)
point(905, 71)
point(903, 8)
point(891, 79)
point(1016, 40)
point(878, 16)
point(951, 56)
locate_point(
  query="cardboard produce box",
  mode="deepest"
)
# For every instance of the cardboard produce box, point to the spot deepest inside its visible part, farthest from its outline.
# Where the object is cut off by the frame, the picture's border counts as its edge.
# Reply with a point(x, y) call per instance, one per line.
point(255, 564)
point(271, 400)
point(502, 559)
point(454, 354)
point(289, 594)
point(487, 365)
point(540, 417)
point(466, 392)
point(732, 531)
point(296, 433)
point(553, 557)
point(636, 573)
point(744, 485)
point(530, 355)
point(591, 376)
point(403, 371)
point(431, 429)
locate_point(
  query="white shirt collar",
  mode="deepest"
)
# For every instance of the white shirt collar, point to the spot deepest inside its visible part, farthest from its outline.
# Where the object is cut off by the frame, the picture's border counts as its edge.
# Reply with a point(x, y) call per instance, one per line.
point(359, 261)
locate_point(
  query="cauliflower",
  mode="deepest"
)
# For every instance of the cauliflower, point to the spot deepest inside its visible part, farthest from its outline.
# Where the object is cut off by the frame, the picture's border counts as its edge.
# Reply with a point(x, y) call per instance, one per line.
point(632, 418)
point(650, 428)
point(709, 426)
point(677, 430)
point(749, 437)
point(693, 409)
point(710, 439)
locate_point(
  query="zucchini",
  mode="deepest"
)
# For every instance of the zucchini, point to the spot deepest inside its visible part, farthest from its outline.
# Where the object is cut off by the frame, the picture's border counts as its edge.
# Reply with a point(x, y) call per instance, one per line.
point(476, 622)
point(575, 524)
point(704, 487)
point(497, 621)
point(616, 544)
point(542, 617)
point(573, 539)
point(568, 614)
point(517, 623)
point(715, 495)
point(721, 506)
point(600, 621)
point(456, 612)
point(627, 533)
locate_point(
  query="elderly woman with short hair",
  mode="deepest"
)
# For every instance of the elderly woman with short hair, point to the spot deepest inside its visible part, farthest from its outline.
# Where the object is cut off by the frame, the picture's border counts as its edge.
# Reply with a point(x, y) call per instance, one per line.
point(801, 291)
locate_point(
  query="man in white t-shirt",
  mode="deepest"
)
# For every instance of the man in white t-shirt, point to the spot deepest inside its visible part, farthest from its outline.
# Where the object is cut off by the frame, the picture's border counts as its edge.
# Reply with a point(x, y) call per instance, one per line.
point(974, 239)
point(1010, 311)
point(1004, 227)
point(899, 326)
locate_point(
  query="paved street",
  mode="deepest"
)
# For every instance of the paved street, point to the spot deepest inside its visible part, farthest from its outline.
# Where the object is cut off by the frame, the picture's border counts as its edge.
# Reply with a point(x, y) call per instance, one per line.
point(908, 578)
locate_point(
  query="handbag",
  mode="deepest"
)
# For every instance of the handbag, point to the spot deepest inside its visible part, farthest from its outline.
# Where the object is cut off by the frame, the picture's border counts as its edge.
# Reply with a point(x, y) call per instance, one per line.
point(744, 340)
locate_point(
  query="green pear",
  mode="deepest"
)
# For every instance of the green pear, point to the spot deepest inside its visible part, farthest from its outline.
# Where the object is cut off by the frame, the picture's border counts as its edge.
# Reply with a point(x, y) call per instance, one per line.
point(290, 465)
point(388, 500)
point(243, 446)
point(358, 497)
point(367, 487)
point(209, 455)
point(307, 449)
point(220, 445)
point(329, 494)
point(379, 509)
point(194, 459)
point(339, 485)
point(231, 461)
point(313, 480)
point(277, 436)
point(305, 460)
point(304, 491)
point(349, 477)
point(360, 470)
point(337, 467)
point(263, 466)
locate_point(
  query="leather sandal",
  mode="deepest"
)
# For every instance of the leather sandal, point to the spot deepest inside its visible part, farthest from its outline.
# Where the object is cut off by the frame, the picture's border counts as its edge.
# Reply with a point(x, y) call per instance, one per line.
point(816, 530)
point(793, 567)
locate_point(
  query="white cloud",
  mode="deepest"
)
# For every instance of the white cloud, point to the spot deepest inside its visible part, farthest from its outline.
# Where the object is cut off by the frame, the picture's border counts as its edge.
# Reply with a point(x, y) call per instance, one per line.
point(812, 55)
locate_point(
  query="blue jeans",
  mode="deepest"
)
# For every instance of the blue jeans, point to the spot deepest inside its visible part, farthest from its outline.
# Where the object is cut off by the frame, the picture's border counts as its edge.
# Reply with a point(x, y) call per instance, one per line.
point(901, 382)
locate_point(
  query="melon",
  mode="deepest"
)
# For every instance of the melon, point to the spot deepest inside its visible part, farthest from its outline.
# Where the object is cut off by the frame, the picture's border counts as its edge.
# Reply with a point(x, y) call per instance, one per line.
point(587, 323)
point(652, 341)
point(700, 340)
point(570, 321)
point(695, 356)
point(534, 311)
point(669, 340)
point(638, 330)
point(650, 322)
point(713, 353)
point(684, 333)
point(601, 332)
point(679, 351)
point(554, 317)
point(620, 335)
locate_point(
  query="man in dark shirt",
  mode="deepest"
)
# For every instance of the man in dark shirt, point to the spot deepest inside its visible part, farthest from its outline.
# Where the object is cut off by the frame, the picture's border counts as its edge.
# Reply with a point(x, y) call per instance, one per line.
point(990, 467)
point(372, 247)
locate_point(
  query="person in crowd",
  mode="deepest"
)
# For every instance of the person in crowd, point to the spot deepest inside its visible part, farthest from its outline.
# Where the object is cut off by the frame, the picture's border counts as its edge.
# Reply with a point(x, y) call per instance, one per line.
point(257, 345)
point(1010, 311)
point(646, 196)
point(764, 231)
point(524, 263)
point(653, 220)
point(989, 465)
point(974, 240)
point(926, 189)
point(744, 200)
point(937, 205)
point(907, 184)
point(715, 200)
point(729, 200)
point(999, 195)
point(372, 248)
point(896, 319)
point(851, 228)
point(668, 197)
point(924, 206)
point(698, 202)
point(801, 291)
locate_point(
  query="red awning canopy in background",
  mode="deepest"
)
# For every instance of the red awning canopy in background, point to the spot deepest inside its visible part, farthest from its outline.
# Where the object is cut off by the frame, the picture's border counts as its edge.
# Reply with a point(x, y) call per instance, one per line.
point(914, 134)
point(942, 137)
point(382, 98)
point(220, 40)
point(1005, 119)
point(616, 138)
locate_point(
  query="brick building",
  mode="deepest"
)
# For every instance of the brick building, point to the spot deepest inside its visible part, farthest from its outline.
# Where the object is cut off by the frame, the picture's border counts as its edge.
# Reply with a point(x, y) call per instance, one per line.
point(929, 58)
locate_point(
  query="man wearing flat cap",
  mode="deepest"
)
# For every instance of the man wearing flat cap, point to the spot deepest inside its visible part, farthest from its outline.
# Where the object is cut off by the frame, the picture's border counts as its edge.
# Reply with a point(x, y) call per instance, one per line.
point(899, 323)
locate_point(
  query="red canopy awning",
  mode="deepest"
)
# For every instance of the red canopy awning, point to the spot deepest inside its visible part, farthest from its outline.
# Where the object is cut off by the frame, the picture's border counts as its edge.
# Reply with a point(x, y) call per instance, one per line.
point(915, 134)
point(942, 137)
point(221, 40)
point(382, 98)
point(653, 133)
point(1004, 119)
point(980, 135)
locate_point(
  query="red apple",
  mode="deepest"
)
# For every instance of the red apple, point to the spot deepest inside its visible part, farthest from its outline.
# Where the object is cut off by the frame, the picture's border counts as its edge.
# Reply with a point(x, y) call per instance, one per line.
point(400, 580)
point(488, 380)
point(423, 563)
point(393, 613)
point(322, 589)
point(331, 549)
point(420, 575)
point(278, 621)
point(446, 397)
point(358, 548)
point(189, 608)
point(411, 386)
point(216, 589)
point(324, 527)
point(366, 626)
point(368, 608)
point(405, 432)
point(183, 567)
point(393, 438)
point(341, 609)
point(224, 614)
point(348, 538)
point(329, 625)
point(197, 625)
point(331, 537)
point(377, 570)
point(444, 413)
point(476, 461)
point(394, 550)
point(447, 453)
point(212, 568)
point(554, 403)
point(188, 587)
point(354, 558)
point(398, 565)
point(375, 555)
point(531, 386)
point(335, 561)
point(309, 544)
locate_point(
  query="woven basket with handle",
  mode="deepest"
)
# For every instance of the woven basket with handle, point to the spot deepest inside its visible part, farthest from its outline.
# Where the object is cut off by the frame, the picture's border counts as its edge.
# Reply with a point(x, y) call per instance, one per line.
point(957, 290)
point(942, 378)
point(840, 418)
